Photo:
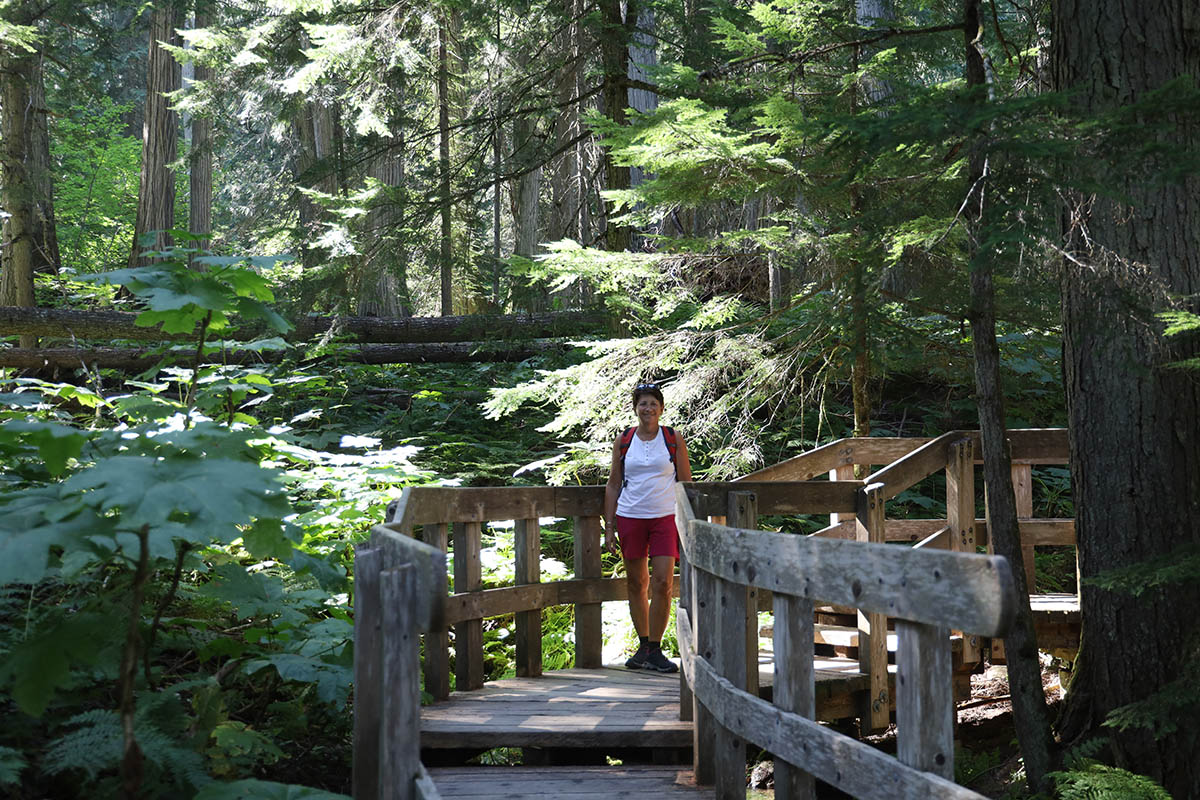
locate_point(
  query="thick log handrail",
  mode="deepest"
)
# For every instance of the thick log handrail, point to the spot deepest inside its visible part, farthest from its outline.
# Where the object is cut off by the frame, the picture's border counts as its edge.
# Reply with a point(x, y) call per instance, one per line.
point(927, 591)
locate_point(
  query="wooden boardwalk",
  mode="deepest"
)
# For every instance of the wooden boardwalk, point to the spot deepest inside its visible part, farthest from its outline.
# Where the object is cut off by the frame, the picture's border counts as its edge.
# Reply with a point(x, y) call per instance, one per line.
point(581, 783)
point(607, 707)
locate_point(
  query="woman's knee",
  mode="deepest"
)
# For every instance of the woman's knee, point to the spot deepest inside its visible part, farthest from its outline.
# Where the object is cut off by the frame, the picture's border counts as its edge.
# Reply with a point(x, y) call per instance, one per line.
point(661, 585)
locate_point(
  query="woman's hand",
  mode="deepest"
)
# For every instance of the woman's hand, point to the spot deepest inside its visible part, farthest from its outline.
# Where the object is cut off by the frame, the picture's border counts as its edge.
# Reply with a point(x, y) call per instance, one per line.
point(611, 543)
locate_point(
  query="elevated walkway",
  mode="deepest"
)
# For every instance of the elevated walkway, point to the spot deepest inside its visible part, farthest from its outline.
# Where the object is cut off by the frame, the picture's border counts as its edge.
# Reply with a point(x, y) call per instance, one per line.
point(860, 630)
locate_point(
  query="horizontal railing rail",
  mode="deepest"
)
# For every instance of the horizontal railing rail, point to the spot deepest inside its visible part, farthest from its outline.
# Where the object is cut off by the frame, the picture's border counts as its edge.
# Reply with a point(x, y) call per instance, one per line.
point(928, 592)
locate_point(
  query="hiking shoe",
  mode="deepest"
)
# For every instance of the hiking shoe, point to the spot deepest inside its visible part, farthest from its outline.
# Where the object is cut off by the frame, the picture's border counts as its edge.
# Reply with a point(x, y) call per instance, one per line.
point(655, 660)
point(638, 659)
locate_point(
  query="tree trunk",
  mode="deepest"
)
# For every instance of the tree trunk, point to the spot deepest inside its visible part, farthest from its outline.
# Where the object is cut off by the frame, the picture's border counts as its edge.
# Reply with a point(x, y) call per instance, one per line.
point(64, 323)
point(1038, 749)
point(445, 253)
point(17, 71)
point(384, 292)
point(135, 360)
point(1134, 420)
point(46, 257)
point(156, 189)
point(200, 159)
point(614, 56)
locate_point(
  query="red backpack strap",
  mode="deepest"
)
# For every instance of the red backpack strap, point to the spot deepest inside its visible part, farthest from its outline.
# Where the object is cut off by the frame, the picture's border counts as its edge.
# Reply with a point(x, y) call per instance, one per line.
point(669, 438)
point(625, 440)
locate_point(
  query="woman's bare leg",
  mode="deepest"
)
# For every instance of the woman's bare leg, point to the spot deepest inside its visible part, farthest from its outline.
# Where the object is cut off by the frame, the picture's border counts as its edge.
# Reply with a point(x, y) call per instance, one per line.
point(662, 579)
point(637, 579)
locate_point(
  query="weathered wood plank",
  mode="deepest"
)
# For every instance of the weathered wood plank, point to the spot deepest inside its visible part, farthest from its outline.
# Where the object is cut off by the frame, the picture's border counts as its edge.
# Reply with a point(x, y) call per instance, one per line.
point(852, 766)
point(429, 573)
point(743, 513)
point(400, 753)
point(527, 546)
point(704, 607)
point(421, 505)
point(510, 599)
point(960, 514)
point(1038, 445)
point(730, 748)
point(437, 642)
point(468, 633)
point(843, 452)
point(925, 700)
point(913, 468)
point(794, 690)
point(589, 633)
point(937, 587)
point(872, 624)
point(628, 782)
point(812, 497)
point(368, 663)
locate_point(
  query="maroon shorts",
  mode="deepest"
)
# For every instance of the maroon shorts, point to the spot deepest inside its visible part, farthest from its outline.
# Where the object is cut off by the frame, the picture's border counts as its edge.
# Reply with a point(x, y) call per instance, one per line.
point(653, 537)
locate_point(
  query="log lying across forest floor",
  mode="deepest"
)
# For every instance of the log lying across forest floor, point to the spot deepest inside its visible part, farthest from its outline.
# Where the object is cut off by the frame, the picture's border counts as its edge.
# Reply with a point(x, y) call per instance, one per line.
point(68, 324)
point(130, 359)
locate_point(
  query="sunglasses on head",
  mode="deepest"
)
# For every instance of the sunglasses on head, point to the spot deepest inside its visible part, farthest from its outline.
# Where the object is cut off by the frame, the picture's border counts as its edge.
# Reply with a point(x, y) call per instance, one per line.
point(646, 387)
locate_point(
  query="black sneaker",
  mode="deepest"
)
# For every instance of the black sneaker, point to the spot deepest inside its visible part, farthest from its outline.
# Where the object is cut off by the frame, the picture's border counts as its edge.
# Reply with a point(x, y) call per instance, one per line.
point(655, 660)
point(638, 659)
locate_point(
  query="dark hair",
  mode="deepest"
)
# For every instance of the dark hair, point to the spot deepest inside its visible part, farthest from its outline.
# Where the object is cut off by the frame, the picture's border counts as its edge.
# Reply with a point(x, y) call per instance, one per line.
point(650, 389)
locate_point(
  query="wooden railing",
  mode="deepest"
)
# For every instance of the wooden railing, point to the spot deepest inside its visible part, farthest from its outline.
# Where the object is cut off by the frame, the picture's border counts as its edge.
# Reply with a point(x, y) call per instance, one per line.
point(449, 516)
point(927, 591)
point(399, 591)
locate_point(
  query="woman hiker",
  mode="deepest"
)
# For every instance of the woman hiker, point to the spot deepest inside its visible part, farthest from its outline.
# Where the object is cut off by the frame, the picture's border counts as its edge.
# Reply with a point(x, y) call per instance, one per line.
point(639, 506)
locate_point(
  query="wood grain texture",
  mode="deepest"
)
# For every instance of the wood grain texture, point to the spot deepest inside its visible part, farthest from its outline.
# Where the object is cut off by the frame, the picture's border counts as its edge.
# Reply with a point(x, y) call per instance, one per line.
point(937, 587)
point(589, 633)
point(468, 633)
point(437, 642)
point(913, 468)
point(527, 547)
point(794, 689)
point(743, 513)
point(812, 497)
point(852, 766)
point(368, 679)
point(429, 573)
point(960, 514)
point(872, 624)
point(627, 782)
point(705, 610)
point(925, 701)
point(400, 752)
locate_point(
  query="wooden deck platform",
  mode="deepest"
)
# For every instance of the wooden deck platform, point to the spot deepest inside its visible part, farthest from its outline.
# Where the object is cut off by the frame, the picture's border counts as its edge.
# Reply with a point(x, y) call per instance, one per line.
point(608, 707)
point(580, 783)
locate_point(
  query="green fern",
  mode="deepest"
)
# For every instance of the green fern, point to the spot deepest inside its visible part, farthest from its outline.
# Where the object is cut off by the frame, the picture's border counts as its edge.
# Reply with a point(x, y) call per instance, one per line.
point(1095, 781)
point(12, 762)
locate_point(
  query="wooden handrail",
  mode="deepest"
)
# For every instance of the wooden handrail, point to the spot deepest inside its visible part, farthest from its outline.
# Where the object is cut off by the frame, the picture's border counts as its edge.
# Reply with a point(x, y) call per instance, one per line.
point(927, 591)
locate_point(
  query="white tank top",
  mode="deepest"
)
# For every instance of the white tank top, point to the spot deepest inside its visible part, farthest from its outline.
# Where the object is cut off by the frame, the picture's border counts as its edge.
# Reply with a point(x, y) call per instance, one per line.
point(649, 490)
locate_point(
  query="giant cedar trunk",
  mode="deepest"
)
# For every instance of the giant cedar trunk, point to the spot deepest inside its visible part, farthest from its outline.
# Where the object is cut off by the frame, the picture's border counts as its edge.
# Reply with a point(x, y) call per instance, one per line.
point(1134, 422)
point(614, 56)
point(445, 254)
point(200, 160)
point(17, 68)
point(46, 256)
point(156, 188)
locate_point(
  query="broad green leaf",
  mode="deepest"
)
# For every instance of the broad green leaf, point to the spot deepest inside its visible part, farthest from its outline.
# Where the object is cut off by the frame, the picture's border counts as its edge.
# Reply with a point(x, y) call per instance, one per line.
point(39, 665)
point(56, 443)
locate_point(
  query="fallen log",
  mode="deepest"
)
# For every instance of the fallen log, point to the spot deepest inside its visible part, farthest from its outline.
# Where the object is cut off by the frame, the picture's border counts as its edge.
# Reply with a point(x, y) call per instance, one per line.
point(63, 323)
point(130, 359)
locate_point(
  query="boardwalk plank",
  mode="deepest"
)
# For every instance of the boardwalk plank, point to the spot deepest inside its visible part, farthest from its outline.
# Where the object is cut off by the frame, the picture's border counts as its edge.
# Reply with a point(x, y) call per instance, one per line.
point(579, 783)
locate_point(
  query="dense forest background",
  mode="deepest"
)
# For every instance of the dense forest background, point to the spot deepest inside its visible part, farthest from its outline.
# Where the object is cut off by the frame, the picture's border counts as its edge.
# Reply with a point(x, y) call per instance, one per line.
point(228, 226)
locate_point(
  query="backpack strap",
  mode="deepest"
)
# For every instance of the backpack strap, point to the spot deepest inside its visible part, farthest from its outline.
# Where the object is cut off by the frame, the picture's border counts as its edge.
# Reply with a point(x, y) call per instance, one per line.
point(669, 438)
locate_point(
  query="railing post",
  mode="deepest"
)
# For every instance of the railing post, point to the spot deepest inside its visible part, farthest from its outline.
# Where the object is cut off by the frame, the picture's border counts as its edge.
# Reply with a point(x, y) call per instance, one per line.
point(468, 634)
point(1022, 479)
point(733, 657)
point(743, 513)
point(960, 516)
point(589, 634)
point(872, 627)
point(437, 643)
point(368, 680)
point(704, 608)
point(842, 473)
point(400, 750)
point(794, 689)
point(925, 698)
point(686, 578)
point(527, 544)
